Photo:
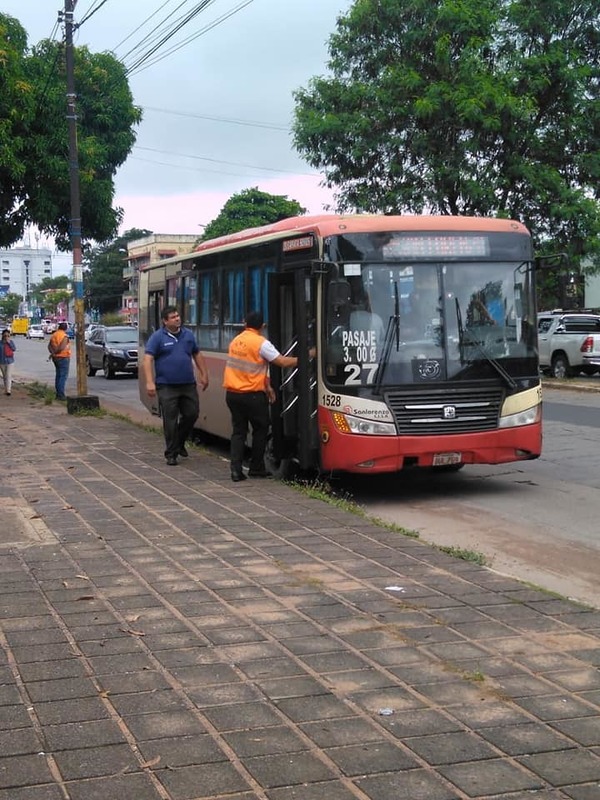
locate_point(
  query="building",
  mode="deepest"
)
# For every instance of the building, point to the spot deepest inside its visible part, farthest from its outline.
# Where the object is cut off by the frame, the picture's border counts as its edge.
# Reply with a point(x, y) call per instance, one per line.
point(23, 267)
point(140, 252)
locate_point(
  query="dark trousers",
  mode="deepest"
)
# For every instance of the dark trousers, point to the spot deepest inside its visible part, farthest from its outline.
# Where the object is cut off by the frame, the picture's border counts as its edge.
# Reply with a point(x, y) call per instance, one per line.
point(248, 408)
point(61, 367)
point(179, 407)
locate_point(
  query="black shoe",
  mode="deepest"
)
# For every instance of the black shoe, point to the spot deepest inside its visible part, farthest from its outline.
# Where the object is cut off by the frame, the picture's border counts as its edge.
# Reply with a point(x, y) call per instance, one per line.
point(183, 452)
point(171, 461)
point(237, 476)
point(259, 473)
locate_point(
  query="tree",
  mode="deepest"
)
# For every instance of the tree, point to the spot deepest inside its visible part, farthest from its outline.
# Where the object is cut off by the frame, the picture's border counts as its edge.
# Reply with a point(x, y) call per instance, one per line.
point(34, 167)
point(104, 277)
point(485, 107)
point(40, 292)
point(251, 208)
point(9, 305)
point(53, 298)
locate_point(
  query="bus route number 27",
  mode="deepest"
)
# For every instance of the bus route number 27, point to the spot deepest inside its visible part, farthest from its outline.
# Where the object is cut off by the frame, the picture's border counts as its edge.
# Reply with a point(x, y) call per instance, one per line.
point(360, 374)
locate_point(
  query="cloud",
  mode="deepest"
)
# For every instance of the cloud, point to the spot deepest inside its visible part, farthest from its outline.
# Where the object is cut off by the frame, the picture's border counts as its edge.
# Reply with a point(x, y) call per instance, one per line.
point(188, 212)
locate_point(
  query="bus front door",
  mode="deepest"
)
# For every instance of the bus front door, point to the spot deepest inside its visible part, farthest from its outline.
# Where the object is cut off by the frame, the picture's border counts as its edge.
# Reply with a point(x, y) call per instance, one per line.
point(291, 329)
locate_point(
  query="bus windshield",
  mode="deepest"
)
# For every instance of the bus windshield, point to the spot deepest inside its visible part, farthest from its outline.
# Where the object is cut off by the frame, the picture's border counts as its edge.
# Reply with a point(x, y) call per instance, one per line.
point(396, 323)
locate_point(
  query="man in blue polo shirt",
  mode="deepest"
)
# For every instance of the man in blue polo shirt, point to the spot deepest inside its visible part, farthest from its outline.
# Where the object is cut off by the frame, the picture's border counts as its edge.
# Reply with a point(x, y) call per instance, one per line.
point(169, 373)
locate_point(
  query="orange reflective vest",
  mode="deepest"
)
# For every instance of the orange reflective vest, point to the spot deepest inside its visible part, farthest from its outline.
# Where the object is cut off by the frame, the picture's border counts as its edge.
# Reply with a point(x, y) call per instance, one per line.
point(59, 345)
point(246, 369)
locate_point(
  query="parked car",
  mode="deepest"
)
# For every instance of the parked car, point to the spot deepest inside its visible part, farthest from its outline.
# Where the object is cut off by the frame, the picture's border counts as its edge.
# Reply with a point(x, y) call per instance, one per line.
point(112, 349)
point(569, 343)
point(90, 328)
point(35, 332)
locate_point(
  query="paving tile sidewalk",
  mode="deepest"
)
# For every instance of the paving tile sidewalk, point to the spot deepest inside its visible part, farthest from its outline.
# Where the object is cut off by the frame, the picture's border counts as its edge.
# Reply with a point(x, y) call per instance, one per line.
point(165, 633)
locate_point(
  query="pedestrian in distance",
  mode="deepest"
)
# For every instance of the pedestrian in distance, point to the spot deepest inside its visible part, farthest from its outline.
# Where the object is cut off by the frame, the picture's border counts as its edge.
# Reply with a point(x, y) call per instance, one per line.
point(59, 348)
point(7, 359)
point(168, 369)
point(249, 392)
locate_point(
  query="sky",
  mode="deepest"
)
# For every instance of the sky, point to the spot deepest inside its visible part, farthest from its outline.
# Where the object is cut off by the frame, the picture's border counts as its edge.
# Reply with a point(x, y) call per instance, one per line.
point(217, 112)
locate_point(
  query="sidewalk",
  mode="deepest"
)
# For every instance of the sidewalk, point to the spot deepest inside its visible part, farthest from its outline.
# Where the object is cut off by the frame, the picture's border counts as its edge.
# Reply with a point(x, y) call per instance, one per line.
point(168, 634)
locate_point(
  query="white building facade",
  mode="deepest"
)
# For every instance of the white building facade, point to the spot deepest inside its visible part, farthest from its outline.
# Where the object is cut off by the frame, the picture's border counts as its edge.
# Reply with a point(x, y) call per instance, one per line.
point(21, 268)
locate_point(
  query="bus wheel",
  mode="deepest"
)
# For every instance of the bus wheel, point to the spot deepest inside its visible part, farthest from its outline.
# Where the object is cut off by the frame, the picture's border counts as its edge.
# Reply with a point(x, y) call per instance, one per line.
point(284, 469)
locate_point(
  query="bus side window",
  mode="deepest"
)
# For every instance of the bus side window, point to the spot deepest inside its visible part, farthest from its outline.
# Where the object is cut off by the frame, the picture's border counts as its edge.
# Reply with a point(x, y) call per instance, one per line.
point(208, 306)
point(234, 298)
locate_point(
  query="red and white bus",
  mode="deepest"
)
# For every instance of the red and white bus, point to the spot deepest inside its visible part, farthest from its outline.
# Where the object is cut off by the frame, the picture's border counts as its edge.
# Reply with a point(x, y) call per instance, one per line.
point(424, 328)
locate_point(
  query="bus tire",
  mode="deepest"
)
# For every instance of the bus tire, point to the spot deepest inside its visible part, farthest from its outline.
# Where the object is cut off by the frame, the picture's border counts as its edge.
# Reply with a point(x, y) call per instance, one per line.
point(284, 469)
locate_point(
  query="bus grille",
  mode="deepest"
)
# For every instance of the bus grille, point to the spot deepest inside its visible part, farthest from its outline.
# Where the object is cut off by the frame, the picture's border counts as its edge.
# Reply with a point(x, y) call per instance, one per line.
point(441, 411)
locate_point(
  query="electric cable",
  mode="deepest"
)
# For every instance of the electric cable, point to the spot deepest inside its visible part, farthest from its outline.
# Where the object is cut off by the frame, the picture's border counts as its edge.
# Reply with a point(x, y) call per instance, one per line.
point(135, 68)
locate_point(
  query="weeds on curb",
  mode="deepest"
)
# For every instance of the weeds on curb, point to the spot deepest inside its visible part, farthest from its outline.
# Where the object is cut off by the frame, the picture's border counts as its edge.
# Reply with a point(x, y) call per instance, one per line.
point(89, 412)
point(465, 555)
point(40, 391)
point(321, 490)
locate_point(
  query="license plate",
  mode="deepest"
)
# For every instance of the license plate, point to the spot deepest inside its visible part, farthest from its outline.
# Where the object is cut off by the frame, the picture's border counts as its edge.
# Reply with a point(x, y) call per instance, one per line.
point(443, 459)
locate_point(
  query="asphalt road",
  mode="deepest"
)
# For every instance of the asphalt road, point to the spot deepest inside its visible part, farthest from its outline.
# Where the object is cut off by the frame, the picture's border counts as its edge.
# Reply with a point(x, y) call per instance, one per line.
point(535, 520)
point(31, 362)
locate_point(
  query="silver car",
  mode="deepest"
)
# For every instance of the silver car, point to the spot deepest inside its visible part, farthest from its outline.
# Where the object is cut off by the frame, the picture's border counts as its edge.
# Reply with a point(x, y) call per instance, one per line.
point(35, 332)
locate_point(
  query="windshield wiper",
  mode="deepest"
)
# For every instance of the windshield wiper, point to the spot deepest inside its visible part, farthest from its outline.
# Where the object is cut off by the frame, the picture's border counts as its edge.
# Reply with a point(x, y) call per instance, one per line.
point(464, 338)
point(392, 333)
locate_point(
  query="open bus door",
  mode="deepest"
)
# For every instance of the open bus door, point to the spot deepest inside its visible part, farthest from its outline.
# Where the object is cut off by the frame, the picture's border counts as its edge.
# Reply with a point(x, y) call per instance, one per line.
point(294, 436)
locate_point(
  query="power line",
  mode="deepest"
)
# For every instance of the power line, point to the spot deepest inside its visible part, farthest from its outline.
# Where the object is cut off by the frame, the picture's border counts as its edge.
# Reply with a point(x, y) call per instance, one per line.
point(246, 122)
point(136, 67)
point(150, 36)
point(90, 13)
point(219, 161)
point(176, 27)
point(192, 169)
point(141, 25)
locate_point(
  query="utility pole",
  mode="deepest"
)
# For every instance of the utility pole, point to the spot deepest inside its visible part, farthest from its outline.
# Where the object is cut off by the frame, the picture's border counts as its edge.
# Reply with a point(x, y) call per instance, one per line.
point(75, 226)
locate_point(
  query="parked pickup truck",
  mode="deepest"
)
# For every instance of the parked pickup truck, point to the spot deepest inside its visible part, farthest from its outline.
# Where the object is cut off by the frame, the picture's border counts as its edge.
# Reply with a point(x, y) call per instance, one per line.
point(569, 343)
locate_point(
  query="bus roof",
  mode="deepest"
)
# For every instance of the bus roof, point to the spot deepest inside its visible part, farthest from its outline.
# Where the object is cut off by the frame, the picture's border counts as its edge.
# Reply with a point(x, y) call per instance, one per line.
point(336, 224)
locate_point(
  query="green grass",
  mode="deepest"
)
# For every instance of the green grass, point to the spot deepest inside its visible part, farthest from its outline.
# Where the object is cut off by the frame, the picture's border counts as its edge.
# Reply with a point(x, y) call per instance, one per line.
point(476, 676)
point(321, 490)
point(40, 391)
point(89, 412)
point(465, 555)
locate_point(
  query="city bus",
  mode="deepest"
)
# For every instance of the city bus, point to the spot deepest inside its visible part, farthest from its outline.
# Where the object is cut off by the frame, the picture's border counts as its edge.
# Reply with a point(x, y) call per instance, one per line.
point(423, 327)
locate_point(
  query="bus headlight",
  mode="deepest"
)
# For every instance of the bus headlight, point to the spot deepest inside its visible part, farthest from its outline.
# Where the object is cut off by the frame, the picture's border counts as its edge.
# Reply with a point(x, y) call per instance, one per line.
point(527, 417)
point(349, 424)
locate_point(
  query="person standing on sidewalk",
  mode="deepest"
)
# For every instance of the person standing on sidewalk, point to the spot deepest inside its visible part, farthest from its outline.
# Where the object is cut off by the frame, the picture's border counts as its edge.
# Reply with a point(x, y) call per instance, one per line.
point(249, 392)
point(168, 369)
point(59, 348)
point(7, 359)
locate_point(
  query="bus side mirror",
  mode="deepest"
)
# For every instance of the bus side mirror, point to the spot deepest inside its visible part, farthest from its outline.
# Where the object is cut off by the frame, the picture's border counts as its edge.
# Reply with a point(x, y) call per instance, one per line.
point(338, 301)
point(554, 261)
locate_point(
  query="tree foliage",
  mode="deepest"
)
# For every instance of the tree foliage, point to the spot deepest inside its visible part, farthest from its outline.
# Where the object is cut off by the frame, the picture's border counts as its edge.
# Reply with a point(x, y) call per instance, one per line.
point(39, 292)
point(251, 208)
point(484, 107)
point(9, 305)
point(103, 281)
point(34, 152)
